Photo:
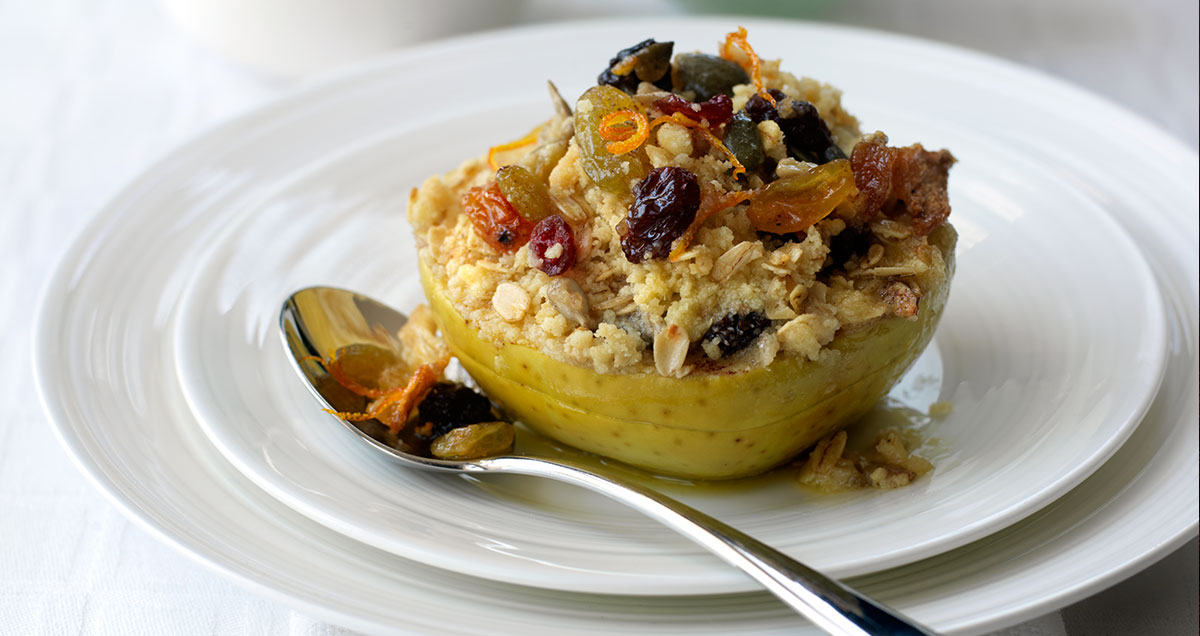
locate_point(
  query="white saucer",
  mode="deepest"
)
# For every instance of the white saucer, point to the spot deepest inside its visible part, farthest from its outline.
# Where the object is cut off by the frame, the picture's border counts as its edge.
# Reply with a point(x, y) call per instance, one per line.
point(1048, 363)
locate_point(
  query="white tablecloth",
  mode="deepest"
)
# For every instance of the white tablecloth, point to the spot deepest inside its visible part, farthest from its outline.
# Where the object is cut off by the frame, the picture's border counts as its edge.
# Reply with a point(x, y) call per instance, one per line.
point(92, 91)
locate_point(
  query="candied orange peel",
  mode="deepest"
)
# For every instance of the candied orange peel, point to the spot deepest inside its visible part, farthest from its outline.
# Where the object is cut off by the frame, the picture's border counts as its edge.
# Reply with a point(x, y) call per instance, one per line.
point(527, 140)
point(623, 137)
point(393, 405)
point(737, 39)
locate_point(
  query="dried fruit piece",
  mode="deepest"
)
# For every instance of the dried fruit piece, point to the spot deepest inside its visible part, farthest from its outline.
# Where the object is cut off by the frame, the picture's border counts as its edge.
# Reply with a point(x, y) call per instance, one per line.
point(664, 205)
point(735, 332)
point(759, 109)
point(706, 76)
point(806, 135)
point(847, 244)
point(527, 194)
point(872, 165)
point(792, 204)
point(495, 219)
point(611, 172)
point(913, 175)
point(359, 367)
point(474, 441)
point(646, 61)
point(714, 112)
point(393, 408)
point(553, 243)
point(449, 405)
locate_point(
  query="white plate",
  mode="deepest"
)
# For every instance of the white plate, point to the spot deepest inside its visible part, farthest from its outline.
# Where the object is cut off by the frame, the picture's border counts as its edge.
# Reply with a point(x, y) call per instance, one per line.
point(105, 374)
point(1049, 364)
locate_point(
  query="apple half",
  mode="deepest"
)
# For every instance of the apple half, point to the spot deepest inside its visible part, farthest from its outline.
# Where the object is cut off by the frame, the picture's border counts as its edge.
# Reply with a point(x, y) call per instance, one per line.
point(705, 425)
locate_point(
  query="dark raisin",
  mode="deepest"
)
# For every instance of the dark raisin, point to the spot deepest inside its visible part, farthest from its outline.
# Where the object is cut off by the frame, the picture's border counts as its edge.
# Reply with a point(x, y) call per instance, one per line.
point(653, 64)
point(744, 141)
point(664, 205)
point(448, 406)
point(715, 111)
point(847, 244)
point(735, 332)
point(759, 109)
point(548, 232)
point(806, 135)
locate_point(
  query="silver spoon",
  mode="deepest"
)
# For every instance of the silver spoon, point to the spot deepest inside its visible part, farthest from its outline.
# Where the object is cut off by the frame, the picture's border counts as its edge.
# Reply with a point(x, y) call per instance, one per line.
point(317, 320)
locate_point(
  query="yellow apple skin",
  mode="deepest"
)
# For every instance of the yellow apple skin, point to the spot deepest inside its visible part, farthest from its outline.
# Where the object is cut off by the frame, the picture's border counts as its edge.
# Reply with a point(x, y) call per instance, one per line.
point(701, 426)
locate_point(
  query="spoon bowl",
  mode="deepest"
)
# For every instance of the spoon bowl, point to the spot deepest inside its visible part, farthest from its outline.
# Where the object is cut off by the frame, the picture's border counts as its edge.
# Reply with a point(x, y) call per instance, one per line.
point(318, 320)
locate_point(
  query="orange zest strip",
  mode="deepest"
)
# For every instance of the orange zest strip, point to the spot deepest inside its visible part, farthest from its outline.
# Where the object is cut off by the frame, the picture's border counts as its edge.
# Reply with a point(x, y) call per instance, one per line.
point(393, 410)
point(710, 204)
point(529, 139)
point(738, 39)
point(622, 137)
point(615, 128)
point(684, 120)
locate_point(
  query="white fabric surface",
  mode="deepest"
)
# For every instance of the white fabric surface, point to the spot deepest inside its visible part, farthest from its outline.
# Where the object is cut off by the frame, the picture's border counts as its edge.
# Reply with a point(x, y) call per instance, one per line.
point(92, 92)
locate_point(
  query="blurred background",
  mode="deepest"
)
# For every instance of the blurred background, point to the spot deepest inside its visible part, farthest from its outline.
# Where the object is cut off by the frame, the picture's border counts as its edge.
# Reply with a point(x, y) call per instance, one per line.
point(94, 91)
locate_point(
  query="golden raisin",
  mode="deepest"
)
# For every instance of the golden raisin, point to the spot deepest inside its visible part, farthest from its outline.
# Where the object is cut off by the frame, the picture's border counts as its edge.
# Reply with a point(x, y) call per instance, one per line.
point(529, 195)
point(495, 219)
point(794, 203)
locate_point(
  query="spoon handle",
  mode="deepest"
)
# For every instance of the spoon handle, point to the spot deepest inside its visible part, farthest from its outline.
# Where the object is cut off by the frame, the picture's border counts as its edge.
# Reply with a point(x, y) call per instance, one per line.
point(828, 604)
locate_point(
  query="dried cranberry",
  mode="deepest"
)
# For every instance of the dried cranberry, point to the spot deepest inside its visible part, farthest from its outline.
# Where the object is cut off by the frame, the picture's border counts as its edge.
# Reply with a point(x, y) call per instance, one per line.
point(759, 109)
point(549, 232)
point(735, 332)
point(716, 111)
point(664, 205)
point(449, 405)
point(806, 135)
point(653, 64)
